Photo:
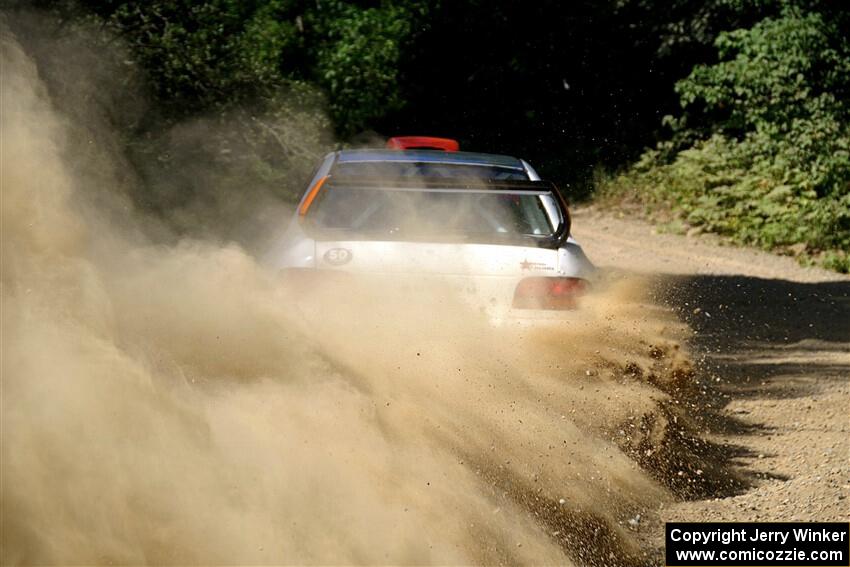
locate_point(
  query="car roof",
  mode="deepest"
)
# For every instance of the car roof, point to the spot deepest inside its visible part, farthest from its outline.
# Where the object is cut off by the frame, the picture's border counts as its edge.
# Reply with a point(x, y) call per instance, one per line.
point(429, 156)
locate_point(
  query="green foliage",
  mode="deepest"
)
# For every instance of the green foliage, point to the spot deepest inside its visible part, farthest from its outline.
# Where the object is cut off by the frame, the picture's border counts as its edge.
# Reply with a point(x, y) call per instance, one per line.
point(566, 85)
point(780, 70)
point(213, 54)
point(357, 60)
point(773, 167)
point(203, 54)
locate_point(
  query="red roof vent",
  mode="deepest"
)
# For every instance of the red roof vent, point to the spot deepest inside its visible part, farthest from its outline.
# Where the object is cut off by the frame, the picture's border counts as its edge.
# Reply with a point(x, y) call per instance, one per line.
point(422, 143)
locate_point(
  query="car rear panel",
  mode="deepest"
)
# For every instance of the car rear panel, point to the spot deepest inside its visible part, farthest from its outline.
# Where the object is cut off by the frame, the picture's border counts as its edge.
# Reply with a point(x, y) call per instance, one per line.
point(435, 258)
point(484, 276)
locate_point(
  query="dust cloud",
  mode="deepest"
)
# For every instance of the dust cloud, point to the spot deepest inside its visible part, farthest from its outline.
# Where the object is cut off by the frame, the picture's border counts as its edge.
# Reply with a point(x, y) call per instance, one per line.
point(174, 403)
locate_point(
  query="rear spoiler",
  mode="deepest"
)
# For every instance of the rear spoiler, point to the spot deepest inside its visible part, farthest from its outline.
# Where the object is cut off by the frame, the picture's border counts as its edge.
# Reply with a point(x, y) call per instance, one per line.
point(437, 183)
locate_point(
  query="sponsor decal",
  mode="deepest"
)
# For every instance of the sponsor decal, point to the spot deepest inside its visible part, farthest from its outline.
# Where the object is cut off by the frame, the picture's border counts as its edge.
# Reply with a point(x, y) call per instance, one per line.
point(526, 265)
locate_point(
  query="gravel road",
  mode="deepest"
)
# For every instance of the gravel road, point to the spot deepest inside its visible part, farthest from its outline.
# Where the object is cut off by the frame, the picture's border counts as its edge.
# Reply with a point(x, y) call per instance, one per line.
point(773, 338)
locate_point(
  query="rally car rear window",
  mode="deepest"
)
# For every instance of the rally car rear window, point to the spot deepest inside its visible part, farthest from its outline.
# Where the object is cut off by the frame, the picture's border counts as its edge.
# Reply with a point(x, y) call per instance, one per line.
point(437, 214)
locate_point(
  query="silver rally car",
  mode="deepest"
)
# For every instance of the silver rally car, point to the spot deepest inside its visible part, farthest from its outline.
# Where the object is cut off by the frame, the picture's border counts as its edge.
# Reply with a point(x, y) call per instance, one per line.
point(485, 224)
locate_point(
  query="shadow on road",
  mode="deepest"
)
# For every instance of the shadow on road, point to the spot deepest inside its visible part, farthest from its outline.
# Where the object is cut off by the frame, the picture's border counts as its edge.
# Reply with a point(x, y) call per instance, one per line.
point(757, 338)
point(736, 312)
point(765, 338)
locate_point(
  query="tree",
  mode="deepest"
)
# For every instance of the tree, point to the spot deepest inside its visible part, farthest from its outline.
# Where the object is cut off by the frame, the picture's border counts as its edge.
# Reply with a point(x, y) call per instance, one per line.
point(762, 150)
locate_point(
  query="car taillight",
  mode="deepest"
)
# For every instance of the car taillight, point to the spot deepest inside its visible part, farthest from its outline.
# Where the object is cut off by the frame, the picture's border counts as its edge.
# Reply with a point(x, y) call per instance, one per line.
point(548, 293)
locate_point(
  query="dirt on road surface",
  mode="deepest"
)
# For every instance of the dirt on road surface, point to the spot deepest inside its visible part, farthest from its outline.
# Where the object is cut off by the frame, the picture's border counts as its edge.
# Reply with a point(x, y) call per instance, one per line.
point(168, 400)
point(773, 342)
